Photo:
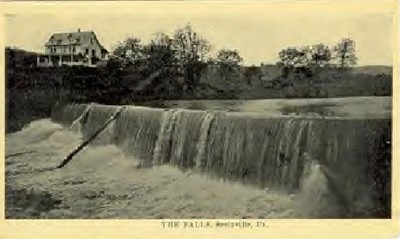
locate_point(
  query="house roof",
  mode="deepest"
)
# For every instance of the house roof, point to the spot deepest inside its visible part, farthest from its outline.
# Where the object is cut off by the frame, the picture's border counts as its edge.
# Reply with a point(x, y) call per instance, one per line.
point(81, 38)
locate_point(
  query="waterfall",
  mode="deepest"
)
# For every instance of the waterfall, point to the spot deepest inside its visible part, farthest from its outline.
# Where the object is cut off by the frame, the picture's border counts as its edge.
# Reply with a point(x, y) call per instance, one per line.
point(162, 147)
point(76, 125)
point(136, 131)
point(254, 148)
point(185, 138)
point(202, 144)
point(67, 114)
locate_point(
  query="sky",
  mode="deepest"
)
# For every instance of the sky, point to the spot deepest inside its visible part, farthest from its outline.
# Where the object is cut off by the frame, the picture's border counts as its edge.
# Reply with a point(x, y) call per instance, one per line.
point(258, 33)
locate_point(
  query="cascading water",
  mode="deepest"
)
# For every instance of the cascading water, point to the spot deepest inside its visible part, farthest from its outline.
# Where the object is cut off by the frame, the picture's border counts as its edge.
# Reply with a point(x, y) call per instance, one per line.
point(162, 146)
point(76, 125)
point(136, 131)
point(314, 156)
point(201, 146)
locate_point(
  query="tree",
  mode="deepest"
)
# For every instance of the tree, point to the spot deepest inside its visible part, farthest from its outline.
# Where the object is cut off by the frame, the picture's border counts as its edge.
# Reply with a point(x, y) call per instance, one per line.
point(159, 52)
point(114, 66)
point(252, 72)
point(345, 53)
point(159, 56)
point(229, 59)
point(189, 45)
point(190, 50)
point(320, 55)
point(293, 57)
point(129, 51)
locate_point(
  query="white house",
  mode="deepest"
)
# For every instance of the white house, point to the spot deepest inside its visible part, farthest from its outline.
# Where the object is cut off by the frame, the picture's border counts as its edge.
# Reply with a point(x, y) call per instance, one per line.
point(72, 48)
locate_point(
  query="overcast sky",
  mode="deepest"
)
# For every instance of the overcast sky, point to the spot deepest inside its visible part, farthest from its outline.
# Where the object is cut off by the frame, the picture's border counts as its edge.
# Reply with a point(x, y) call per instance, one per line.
point(258, 33)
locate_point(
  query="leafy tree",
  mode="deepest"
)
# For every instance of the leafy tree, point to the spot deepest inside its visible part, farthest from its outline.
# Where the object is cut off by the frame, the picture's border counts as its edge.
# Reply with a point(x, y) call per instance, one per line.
point(229, 58)
point(159, 52)
point(252, 72)
point(189, 45)
point(345, 53)
point(129, 51)
point(320, 55)
point(293, 57)
point(191, 50)
point(114, 66)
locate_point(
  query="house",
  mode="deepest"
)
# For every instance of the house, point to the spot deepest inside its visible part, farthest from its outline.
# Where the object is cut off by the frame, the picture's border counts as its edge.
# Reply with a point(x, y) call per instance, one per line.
point(80, 48)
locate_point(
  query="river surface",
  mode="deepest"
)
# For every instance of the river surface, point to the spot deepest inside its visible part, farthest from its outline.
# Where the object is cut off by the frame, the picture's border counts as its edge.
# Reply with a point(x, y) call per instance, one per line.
point(347, 106)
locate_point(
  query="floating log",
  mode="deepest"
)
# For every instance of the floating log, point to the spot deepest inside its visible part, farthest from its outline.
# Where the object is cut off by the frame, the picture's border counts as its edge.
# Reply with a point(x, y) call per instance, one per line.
point(90, 139)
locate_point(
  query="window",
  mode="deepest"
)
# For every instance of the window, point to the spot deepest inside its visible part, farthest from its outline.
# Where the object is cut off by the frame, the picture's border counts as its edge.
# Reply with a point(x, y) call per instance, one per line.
point(87, 51)
point(93, 52)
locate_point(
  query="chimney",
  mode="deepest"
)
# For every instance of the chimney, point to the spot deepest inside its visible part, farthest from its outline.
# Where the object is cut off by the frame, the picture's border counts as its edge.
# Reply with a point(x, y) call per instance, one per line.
point(79, 30)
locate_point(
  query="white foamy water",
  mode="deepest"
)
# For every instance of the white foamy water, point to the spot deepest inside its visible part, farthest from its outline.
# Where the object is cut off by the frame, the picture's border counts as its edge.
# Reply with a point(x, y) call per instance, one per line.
point(101, 182)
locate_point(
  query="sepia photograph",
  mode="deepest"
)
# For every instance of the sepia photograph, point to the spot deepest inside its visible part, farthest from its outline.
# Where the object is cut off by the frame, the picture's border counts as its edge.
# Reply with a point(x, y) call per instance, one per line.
point(198, 111)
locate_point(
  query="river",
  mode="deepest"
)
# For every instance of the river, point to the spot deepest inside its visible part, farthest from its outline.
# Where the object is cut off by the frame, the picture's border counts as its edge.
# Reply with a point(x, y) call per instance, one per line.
point(297, 158)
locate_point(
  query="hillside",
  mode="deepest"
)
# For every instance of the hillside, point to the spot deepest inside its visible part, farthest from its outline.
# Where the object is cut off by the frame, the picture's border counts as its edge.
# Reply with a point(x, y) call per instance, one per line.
point(373, 70)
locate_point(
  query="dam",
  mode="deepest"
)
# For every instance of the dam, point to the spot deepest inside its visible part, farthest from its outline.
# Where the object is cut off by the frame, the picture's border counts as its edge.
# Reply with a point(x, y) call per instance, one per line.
point(342, 164)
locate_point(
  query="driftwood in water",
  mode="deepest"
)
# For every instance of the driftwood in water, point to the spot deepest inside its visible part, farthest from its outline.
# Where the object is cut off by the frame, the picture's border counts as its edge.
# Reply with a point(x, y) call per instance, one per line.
point(90, 139)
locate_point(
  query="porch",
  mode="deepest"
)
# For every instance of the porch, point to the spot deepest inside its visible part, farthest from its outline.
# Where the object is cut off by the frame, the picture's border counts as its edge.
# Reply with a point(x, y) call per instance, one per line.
point(65, 60)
